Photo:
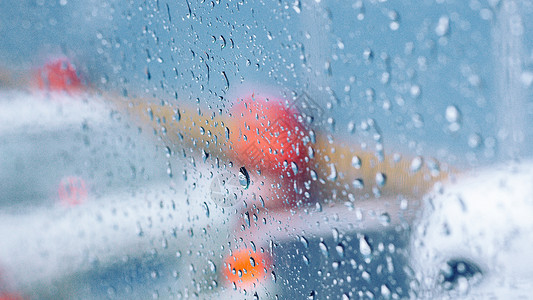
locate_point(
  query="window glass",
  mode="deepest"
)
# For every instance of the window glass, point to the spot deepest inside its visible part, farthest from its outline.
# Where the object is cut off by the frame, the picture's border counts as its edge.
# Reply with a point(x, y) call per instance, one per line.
point(306, 149)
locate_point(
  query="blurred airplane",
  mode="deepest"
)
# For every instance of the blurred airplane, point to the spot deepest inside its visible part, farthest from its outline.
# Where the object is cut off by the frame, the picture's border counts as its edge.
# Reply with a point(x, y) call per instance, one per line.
point(286, 162)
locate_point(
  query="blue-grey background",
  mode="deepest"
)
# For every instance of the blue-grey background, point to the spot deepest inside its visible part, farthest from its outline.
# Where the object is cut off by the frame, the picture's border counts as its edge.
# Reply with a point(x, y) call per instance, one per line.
point(183, 51)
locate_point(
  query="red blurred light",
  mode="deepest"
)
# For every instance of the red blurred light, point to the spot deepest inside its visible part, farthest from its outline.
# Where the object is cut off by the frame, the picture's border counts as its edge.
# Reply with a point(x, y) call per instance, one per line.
point(58, 75)
point(72, 191)
point(267, 134)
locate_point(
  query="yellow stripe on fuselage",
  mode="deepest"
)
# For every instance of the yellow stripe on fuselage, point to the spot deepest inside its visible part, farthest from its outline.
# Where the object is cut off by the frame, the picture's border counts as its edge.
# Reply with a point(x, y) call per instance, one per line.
point(187, 127)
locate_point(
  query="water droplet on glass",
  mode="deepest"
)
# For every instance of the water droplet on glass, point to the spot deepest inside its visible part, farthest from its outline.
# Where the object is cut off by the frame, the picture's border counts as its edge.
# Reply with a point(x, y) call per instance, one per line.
point(358, 184)
point(333, 174)
point(384, 218)
point(452, 114)
point(385, 292)
point(340, 250)
point(244, 178)
point(247, 218)
point(336, 234)
point(314, 176)
point(297, 6)
point(294, 168)
point(368, 54)
point(443, 26)
point(312, 136)
point(381, 179)
point(474, 140)
point(212, 266)
point(345, 297)
point(364, 247)
point(356, 162)
point(323, 248)
point(304, 241)
point(365, 275)
point(206, 209)
point(416, 164)
point(226, 130)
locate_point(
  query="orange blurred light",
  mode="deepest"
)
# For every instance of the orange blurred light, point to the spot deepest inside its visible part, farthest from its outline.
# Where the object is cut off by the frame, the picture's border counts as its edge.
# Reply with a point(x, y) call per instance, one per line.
point(246, 268)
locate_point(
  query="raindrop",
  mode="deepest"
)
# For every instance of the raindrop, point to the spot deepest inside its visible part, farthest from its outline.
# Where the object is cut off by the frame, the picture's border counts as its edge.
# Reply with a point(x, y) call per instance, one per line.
point(345, 297)
point(247, 218)
point(364, 247)
point(474, 140)
point(416, 164)
point(226, 79)
point(169, 170)
point(356, 162)
point(415, 91)
point(294, 168)
point(244, 178)
point(206, 208)
point(452, 114)
point(314, 176)
point(252, 262)
point(335, 233)
point(297, 6)
point(385, 291)
point(384, 218)
point(150, 113)
point(205, 155)
point(340, 250)
point(223, 40)
point(366, 275)
point(381, 179)
point(333, 175)
point(312, 136)
point(212, 266)
point(443, 26)
point(358, 184)
point(324, 248)
point(312, 296)
point(368, 54)
point(351, 127)
point(304, 241)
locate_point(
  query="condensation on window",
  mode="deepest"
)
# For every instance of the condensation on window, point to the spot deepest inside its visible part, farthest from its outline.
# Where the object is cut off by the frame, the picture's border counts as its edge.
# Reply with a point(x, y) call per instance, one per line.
point(305, 149)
